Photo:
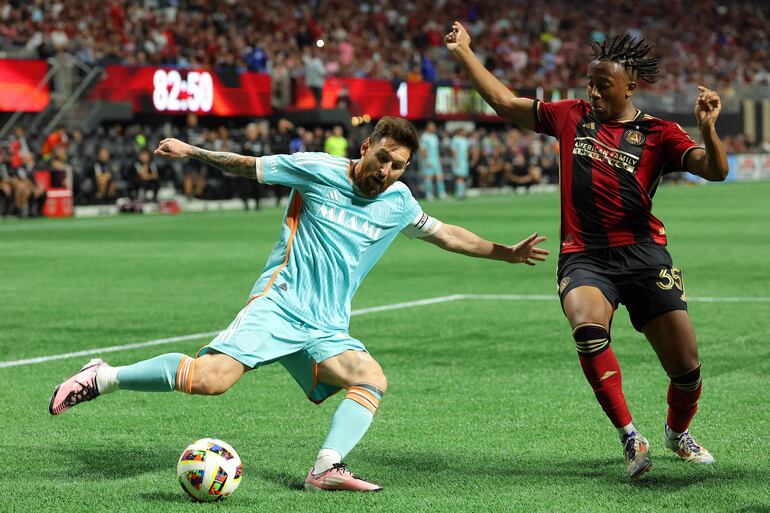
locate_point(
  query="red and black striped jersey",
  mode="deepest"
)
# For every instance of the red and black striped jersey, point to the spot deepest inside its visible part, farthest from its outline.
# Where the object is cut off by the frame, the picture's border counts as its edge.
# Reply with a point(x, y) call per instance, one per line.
point(609, 173)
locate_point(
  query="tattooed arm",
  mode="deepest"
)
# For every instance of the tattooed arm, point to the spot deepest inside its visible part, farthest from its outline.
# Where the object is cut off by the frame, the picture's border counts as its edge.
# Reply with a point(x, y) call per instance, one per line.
point(231, 163)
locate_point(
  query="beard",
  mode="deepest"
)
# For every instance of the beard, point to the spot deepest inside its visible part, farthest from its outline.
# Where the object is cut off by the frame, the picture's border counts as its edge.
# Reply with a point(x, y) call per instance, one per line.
point(367, 182)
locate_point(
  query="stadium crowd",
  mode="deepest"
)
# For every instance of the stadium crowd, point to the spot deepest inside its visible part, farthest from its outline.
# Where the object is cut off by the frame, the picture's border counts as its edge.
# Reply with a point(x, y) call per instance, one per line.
point(116, 161)
point(525, 43)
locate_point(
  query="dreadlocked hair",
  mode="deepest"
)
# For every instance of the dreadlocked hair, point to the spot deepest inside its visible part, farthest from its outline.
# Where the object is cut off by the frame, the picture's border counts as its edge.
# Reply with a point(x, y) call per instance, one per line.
point(629, 53)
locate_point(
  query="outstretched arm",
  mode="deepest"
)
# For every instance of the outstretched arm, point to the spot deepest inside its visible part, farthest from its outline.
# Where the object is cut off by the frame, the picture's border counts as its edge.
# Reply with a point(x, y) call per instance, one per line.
point(459, 240)
point(231, 163)
point(499, 97)
point(712, 163)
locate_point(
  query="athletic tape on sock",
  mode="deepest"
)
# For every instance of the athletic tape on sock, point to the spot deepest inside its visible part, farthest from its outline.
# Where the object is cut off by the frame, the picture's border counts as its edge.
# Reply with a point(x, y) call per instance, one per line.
point(184, 375)
point(689, 381)
point(590, 339)
point(367, 396)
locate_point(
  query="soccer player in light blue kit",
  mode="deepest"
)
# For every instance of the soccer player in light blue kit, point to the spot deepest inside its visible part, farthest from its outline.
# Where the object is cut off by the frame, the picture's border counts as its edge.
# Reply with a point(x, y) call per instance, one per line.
point(341, 218)
point(459, 147)
point(430, 164)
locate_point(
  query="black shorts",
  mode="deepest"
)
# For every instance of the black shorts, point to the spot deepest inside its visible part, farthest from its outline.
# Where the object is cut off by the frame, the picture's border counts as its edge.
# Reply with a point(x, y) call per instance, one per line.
point(640, 276)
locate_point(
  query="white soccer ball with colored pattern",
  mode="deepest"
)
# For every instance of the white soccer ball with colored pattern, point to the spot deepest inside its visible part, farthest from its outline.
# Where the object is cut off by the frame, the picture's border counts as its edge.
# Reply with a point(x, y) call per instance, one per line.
point(209, 470)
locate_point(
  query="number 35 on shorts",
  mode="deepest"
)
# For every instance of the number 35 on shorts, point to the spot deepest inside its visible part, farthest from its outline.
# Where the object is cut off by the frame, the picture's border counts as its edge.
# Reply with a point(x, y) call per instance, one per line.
point(670, 278)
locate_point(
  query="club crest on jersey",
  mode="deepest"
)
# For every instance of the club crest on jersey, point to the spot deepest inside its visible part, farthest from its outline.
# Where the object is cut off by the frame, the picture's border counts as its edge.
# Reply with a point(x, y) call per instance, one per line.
point(634, 137)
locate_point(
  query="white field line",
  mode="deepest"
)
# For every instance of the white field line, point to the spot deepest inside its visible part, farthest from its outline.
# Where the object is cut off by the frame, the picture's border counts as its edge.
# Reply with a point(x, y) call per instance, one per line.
point(361, 311)
point(171, 340)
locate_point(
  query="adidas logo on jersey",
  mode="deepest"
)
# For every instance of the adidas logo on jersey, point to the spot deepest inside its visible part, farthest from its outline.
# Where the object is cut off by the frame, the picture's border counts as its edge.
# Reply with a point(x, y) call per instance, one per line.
point(333, 195)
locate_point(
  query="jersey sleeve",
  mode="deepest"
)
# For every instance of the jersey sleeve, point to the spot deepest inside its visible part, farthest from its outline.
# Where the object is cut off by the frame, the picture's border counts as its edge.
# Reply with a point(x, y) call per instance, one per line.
point(415, 223)
point(676, 145)
point(550, 117)
point(284, 170)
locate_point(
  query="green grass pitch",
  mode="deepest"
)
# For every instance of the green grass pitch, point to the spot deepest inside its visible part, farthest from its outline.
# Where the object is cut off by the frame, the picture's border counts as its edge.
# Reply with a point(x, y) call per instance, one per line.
point(487, 408)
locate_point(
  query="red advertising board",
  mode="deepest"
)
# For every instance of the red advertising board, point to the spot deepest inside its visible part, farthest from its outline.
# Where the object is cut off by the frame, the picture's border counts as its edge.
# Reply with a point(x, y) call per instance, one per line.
point(18, 80)
point(178, 91)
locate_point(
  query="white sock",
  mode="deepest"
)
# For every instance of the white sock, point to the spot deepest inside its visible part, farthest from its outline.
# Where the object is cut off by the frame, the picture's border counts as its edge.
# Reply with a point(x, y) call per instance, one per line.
point(671, 434)
point(325, 459)
point(107, 379)
point(626, 430)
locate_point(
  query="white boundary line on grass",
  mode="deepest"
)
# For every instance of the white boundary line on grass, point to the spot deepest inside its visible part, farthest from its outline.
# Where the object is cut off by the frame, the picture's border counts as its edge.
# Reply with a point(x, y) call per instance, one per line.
point(171, 340)
point(361, 311)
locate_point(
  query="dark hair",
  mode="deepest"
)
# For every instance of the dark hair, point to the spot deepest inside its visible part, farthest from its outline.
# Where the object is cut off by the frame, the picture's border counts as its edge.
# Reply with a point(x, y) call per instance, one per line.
point(629, 53)
point(398, 129)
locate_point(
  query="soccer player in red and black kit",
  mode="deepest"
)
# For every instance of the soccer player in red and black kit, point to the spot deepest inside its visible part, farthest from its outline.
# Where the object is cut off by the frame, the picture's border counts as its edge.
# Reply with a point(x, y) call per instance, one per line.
point(613, 250)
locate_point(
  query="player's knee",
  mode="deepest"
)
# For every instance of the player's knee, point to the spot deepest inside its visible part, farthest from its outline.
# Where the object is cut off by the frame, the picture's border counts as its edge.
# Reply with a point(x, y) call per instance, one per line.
point(689, 381)
point(591, 339)
point(369, 373)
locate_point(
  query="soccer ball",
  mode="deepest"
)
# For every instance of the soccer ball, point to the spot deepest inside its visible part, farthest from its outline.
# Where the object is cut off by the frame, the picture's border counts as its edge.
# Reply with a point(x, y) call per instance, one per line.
point(209, 470)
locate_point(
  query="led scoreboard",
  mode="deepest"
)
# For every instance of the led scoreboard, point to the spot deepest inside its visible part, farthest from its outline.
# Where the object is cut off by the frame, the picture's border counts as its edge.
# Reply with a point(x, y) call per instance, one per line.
point(177, 91)
point(164, 90)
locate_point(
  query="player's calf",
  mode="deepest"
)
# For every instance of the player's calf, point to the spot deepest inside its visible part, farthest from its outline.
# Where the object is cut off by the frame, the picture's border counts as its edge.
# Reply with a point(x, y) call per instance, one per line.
point(602, 371)
point(683, 394)
point(211, 374)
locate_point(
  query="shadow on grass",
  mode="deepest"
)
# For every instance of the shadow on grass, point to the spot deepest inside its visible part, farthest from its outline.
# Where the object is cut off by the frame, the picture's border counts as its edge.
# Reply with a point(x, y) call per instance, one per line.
point(168, 497)
point(292, 482)
point(670, 475)
point(112, 462)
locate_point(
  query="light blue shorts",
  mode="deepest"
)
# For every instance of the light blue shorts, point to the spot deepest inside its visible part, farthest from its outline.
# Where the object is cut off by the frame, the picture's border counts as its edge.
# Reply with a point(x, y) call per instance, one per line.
point(264, 332)
point(430, 168)
point(461, 171)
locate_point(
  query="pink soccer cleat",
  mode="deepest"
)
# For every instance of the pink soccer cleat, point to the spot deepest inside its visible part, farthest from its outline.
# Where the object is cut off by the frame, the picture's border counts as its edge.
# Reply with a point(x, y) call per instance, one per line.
point(77, 389)
point(338, 478)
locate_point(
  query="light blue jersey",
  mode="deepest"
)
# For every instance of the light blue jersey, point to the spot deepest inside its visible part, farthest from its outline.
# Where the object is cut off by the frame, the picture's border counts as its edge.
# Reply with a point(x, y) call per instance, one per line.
point(331, 236)
point(430, 164)
point(460, 145)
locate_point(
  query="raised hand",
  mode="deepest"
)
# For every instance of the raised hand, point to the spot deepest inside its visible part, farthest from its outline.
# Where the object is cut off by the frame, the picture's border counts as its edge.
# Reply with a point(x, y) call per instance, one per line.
point(707, 107)
point(458, 38)
point(173, 149)
point(526, 251)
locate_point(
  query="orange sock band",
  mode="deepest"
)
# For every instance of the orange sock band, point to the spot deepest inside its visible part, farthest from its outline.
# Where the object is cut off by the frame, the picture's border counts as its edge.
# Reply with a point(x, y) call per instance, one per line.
point(363, 397)
point(184, 375)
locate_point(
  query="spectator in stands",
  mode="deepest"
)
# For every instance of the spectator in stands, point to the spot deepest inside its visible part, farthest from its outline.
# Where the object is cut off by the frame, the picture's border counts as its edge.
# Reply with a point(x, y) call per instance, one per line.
point(61, 168)
point(6, 188)
point(254, 144)
point(194, 173)
point(310, 142)
point(28, 195)
point(280, 144)
point(315, 72)
point(280, 75)
point(56, 138)
point(391, 40)
point(145, 177)
point(19, 144)
point(104, 177)
point(336, 144)
point(521, 172)
point(495, 168)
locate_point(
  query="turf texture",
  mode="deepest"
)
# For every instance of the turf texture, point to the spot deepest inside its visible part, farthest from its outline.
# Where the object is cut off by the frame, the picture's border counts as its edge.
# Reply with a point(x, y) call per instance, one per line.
point(487, 408)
